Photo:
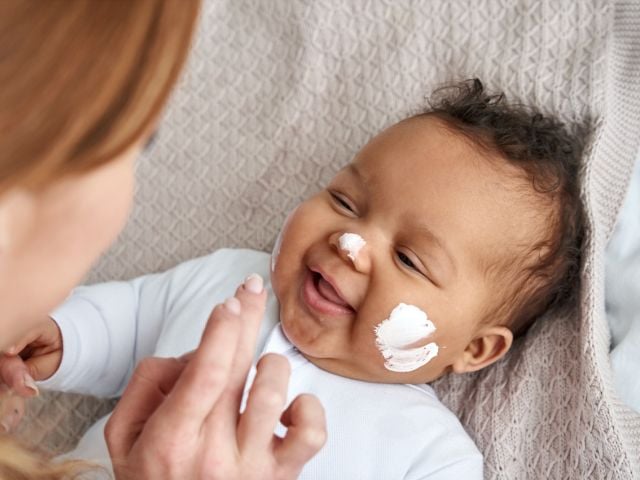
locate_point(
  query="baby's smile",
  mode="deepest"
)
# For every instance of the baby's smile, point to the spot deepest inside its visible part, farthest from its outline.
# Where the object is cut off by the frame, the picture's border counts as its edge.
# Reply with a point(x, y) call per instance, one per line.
point(322, 294)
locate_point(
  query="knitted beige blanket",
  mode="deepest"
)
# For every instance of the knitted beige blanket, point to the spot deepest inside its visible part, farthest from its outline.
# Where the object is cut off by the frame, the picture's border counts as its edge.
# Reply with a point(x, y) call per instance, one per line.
point(279, 94)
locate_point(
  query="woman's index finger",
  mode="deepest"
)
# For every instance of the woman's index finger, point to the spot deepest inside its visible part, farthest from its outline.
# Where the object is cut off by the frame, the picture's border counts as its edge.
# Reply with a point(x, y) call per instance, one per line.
point(206, 377)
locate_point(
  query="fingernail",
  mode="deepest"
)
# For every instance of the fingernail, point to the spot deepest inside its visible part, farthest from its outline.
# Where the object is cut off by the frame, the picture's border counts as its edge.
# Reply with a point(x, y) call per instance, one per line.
point(233, 305)
point(30, 383)
point(254, 283)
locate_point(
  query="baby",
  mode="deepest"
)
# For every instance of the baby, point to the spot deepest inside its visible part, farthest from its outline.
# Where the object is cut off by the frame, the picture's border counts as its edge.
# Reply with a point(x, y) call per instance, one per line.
point(447, 236)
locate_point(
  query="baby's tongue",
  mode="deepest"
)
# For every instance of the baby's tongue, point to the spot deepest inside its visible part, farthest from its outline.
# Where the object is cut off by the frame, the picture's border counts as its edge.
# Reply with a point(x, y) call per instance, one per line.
point(328, 292)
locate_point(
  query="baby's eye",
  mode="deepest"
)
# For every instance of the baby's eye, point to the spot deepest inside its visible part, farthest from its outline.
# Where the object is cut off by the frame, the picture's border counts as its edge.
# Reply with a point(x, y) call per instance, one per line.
point(406, 260)
point(341, 202)
point(415, 265)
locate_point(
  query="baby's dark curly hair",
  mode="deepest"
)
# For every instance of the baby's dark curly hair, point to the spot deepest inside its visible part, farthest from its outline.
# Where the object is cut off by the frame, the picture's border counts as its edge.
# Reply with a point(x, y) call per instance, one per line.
point(547, 276)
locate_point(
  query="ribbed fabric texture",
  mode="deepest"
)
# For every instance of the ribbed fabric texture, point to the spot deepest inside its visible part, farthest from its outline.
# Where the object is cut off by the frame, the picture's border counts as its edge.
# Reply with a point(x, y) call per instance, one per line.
point(278, 95)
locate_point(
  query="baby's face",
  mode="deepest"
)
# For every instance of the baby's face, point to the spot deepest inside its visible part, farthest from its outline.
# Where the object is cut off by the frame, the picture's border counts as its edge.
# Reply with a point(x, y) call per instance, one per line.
point(434, 214)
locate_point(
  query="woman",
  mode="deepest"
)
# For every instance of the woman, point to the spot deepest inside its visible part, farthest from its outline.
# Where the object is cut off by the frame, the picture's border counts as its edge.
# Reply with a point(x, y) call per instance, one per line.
point(83, 84)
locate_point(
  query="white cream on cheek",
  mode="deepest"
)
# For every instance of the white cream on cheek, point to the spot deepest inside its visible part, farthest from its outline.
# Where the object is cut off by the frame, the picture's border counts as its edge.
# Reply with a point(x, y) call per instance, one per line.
point(351, 243)
point(276, 251)
point(406, 325)
point(276, 246)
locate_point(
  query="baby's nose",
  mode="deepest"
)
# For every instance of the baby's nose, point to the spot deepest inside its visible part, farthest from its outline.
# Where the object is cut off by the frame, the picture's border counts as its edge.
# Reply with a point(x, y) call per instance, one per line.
point(351, 247)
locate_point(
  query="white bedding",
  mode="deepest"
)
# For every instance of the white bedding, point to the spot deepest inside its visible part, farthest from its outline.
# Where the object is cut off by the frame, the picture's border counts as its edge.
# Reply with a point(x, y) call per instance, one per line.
point(622, 290)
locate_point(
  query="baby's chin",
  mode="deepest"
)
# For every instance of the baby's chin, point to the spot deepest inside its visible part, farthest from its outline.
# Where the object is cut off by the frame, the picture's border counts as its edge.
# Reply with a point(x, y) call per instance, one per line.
point(296, 336)
point(322, 355)
point(313, 348)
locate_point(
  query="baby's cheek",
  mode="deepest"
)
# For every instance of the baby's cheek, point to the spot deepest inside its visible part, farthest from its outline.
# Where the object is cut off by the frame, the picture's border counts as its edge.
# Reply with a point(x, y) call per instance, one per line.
point(405, 339)
point(277, 246)
point(363, 338)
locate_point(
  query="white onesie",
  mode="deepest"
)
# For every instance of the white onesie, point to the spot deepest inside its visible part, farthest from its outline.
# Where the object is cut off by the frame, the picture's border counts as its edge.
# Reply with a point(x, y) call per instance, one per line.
point(375, 431)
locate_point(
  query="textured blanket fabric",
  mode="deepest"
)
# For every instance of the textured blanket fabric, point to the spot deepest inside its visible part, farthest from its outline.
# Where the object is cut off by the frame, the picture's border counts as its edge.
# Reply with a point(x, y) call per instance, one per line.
point(278, 95)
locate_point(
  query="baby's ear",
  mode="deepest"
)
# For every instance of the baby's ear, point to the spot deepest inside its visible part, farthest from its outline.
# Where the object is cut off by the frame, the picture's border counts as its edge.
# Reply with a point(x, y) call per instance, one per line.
point(491, 344)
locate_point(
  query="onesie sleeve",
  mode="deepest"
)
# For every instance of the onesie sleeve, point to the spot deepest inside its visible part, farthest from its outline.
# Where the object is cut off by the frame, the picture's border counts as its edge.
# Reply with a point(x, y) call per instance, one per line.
point(108, 328)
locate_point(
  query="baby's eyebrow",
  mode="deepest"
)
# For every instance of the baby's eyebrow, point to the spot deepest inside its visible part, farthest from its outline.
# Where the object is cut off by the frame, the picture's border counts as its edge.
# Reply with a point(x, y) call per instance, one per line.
point(353, 169)
point(426, 232)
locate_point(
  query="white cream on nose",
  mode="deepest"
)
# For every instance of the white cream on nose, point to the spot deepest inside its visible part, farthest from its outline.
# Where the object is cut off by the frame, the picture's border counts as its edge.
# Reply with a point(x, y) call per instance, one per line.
point(406, 325)
point(351, 243)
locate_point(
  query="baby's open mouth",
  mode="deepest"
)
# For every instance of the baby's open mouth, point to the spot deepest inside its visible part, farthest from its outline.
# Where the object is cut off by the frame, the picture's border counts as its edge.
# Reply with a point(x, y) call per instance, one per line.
point(327, 290)
point(322, 295)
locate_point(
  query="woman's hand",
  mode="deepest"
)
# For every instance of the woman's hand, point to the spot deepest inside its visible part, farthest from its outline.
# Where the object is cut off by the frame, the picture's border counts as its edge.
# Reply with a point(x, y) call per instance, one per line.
point(179, 418)
point(36, 357)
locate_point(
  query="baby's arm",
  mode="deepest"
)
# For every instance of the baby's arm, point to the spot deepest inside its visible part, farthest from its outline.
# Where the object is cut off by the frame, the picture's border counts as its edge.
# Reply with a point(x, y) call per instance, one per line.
point(105, 333)
point(108, 328)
